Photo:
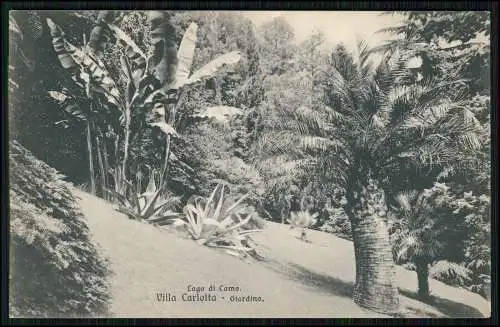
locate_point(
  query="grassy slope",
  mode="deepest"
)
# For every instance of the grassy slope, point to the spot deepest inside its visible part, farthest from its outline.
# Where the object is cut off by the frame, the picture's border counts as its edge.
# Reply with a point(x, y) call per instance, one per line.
point(301, 279)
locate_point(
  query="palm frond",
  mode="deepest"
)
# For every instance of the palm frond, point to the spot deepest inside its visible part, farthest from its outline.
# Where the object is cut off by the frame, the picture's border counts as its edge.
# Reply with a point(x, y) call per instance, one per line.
point(322, 144)
point(425, 112)
point(275, 142)
point(302, 119)
point(366, 65)
point(393, 29)
point(469, 140)
point(280, 165)
point(429, 117)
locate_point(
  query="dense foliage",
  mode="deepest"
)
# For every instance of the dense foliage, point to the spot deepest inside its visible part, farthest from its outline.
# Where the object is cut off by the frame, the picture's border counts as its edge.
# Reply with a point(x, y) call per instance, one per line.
point(461, 48)
point(391, 155)
point(55, 270)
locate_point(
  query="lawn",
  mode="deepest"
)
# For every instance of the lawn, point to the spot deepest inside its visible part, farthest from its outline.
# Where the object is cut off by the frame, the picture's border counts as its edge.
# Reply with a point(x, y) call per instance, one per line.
point(151, 265)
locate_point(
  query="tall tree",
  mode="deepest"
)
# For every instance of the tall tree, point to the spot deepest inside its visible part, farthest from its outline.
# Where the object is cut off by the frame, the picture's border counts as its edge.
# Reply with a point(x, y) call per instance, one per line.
point(373, 125)
point(457, 43)
point(276, 46)
point(447, 42)
point(298, 84)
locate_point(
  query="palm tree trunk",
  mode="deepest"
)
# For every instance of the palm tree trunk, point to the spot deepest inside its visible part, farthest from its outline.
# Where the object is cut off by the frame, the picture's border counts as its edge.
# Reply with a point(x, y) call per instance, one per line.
point(422, 267)
point(375, 287)
point(91, 162)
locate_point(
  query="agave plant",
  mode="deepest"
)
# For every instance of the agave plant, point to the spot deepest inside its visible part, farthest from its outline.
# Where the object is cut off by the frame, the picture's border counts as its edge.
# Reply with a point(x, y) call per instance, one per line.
point(148, 206)
point(303, 220)
point(210, 224)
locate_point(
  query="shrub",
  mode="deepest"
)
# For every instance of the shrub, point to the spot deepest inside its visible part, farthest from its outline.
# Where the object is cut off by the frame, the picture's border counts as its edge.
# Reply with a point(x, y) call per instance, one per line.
point(338, 224)
point(257, 222)
point(55, 270)
point(475, 210)
point(450, 273)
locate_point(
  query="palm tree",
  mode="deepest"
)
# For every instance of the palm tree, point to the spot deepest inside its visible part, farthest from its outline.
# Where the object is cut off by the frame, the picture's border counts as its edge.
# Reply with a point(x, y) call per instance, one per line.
point(371, 124)
point(423, 230)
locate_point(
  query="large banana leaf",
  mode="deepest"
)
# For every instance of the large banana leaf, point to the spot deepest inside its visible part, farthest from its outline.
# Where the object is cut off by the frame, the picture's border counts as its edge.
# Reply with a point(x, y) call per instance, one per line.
point(128, 42)
point(165, 128)
point(69, 105)
point(148, 91)
point(211, 68)
point(100, 77)
point(173, 68)
point(163, 62)
point(98, 39)
point(185, 54)
point(85, 68)
point(134, 54)
point(65, 54)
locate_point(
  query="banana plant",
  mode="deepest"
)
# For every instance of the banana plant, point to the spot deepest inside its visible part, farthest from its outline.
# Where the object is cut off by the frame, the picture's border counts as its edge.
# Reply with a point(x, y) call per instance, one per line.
point(153, 83)
point(90, 75)
point(173, 70)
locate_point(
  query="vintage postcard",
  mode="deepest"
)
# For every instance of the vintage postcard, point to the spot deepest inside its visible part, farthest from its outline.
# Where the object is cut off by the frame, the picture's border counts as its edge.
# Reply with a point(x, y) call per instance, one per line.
point(249, 164)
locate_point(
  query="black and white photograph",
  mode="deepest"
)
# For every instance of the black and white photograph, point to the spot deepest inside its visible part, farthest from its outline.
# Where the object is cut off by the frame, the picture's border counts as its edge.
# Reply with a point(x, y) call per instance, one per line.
point(249, 164)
